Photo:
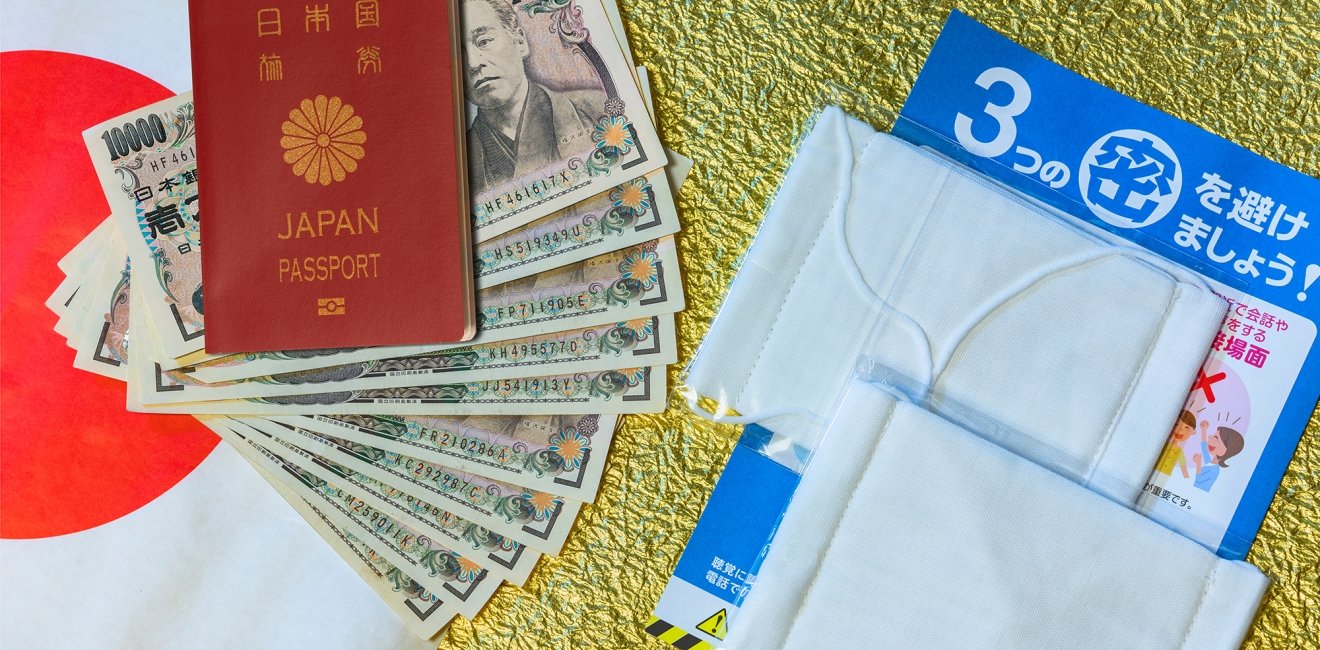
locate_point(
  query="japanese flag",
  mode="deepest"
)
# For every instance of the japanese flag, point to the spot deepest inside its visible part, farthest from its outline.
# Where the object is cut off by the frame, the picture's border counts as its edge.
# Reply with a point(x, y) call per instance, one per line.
point(121, 530)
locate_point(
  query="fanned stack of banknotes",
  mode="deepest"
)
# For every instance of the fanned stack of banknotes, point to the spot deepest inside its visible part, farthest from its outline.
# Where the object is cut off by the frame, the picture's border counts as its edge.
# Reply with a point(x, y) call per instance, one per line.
point(438, 473)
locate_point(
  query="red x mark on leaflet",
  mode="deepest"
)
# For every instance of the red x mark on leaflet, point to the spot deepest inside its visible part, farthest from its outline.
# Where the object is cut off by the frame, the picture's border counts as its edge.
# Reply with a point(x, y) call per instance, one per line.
point(1204, 383)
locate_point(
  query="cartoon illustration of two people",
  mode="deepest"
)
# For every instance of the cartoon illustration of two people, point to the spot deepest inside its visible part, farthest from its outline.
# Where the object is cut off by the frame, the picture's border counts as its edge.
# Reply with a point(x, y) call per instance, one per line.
point(1216, 448)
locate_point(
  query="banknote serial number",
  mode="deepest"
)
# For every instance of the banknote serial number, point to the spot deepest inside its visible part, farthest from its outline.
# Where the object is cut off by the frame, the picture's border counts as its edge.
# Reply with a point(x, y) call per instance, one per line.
point(446, 481)
point(542, 350)
point(537, 190)
point(538, 385)
point(545, 243)
point(469, 446)
point(552, 305)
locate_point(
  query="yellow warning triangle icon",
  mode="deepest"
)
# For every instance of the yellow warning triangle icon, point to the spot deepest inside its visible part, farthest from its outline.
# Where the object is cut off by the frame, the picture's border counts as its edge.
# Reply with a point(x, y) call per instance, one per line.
point(717, 625)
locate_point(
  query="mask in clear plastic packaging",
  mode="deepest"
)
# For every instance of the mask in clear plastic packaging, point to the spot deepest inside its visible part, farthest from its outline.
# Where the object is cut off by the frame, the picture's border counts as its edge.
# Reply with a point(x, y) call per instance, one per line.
point(908, 531)
point(1005, 316)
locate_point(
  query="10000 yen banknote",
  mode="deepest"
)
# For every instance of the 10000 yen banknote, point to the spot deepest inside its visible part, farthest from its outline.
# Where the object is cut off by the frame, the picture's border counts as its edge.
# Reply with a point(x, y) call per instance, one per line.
point(559, 454)
point(537, 520)
point(101, 262)
point(64, 302)
point(506, 559)
point(74, 266)
point(101, 339)
point(616, 287)
point(558, 114)
point(558, 240)
point(147, 164)
point(604, 347)
point(439, 570)
point(424, 612)
point(628, 214)
point(627, 390)
point(74, 310)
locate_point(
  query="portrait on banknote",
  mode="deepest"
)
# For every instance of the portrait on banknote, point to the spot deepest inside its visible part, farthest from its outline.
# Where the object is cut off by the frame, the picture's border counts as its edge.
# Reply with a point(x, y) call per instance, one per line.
point(523, 121)
point(555, 115)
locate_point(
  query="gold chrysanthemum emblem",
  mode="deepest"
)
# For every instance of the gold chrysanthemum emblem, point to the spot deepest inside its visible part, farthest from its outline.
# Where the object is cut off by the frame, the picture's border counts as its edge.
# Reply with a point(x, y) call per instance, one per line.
point(631, 196)
point(323, 140)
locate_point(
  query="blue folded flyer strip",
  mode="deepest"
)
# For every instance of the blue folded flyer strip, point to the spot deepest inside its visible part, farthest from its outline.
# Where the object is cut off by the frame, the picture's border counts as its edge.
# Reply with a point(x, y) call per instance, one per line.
point(1242, 221)
point(718, 567)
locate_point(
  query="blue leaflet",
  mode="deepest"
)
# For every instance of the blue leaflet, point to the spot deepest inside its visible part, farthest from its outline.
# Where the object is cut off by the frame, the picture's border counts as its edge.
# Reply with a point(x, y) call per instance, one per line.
point(1239, 219)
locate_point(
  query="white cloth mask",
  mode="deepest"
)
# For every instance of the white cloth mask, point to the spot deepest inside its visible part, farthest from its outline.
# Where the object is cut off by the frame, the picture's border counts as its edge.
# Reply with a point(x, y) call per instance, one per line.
point(908, 531)
point(1050, 339)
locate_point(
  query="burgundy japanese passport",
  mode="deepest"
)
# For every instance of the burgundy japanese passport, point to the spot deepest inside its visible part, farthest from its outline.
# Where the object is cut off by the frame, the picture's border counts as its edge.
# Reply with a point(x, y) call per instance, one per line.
point(331, 161)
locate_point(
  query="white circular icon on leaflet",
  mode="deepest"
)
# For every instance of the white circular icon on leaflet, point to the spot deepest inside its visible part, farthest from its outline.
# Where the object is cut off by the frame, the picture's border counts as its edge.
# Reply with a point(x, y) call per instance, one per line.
point(1130, 178)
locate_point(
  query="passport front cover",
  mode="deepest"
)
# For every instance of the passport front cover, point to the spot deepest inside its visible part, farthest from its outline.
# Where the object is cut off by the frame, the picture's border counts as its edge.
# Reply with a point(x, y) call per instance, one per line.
point(331, 161)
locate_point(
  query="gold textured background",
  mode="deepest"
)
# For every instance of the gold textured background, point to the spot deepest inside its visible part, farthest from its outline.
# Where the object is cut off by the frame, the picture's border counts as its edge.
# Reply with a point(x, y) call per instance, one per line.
point(734, 81)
